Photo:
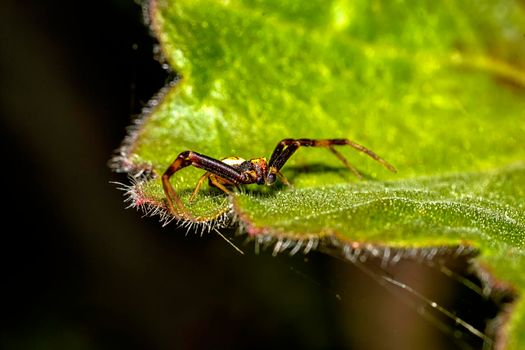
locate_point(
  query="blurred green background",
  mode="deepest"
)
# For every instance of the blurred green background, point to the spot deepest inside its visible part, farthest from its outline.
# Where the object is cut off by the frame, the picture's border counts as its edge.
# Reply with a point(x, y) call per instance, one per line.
point(81, 272)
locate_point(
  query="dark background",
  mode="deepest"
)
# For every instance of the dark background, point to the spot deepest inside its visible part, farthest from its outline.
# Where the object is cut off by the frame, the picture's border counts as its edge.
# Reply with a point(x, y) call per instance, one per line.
point(81, 272)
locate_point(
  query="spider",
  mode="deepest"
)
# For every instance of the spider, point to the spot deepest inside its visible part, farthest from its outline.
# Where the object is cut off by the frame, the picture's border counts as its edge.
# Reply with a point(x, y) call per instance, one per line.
point(235, 171)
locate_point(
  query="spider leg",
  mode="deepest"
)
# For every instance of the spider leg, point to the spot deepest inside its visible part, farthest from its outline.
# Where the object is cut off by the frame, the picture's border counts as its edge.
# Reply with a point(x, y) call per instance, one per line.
point(368, 152)
point(283, 179)
point(199, 184)
point(219, 185)
point(345, 162)
point(287, 147)
point(182, 161)
point(211, 165)
point(282, 152)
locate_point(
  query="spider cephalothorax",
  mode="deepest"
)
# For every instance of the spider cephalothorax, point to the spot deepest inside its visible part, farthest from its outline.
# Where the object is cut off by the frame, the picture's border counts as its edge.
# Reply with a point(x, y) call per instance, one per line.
point(254, 170)
point(235, 171)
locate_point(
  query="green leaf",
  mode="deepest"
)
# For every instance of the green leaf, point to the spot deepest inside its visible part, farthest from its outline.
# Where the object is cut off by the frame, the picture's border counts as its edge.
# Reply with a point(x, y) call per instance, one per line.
point(473, 208)
point(437, 89)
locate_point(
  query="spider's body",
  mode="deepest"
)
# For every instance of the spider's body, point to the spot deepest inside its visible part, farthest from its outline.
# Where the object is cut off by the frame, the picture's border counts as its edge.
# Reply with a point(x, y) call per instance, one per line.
point(235, 171)
point(256, 169)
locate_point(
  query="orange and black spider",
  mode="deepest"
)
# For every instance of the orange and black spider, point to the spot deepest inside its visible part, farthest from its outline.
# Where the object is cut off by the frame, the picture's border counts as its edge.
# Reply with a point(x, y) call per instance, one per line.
point(235, 171)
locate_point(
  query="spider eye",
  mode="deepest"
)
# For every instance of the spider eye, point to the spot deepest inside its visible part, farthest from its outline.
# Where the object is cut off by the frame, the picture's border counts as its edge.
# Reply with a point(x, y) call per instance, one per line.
point(270, 179)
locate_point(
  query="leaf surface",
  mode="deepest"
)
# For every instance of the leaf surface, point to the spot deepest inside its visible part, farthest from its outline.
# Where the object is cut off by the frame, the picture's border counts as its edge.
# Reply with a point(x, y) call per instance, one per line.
point(438, 90)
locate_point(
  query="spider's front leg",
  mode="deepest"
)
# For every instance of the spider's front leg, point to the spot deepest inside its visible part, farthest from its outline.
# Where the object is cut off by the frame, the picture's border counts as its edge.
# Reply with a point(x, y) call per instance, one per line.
point(211, 165)
point(287, 147)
